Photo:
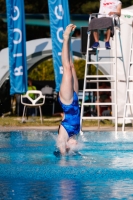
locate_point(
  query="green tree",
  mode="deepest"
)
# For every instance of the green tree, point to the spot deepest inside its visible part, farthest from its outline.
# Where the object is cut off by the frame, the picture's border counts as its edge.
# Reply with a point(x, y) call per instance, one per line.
point(3, 26)
point(3, 35)
point(41, 6)
point(2, 6)
point(89, 6)
point(45, 70)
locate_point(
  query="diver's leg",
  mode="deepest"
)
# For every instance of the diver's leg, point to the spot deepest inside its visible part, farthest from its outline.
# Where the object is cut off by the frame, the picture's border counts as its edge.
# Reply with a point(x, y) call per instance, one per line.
point(66, 89)
point(75, 79)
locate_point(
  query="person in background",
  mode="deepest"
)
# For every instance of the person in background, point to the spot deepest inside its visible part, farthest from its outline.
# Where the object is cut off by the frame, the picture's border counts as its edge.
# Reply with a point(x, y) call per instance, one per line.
point(105, 96)
point(108, 8)
point(31, 111)
point(31, 87)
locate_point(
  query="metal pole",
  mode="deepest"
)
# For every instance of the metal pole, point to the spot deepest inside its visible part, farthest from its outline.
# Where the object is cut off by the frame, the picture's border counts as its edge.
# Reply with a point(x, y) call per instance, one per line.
point(97, 88)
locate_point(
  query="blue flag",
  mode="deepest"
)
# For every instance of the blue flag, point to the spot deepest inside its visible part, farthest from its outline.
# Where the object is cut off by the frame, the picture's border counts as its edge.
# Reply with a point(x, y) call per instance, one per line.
point(17, 46)
point(59, 19)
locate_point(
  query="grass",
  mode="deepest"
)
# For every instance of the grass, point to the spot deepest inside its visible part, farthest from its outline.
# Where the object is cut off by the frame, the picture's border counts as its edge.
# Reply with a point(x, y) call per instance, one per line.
point(13, 121)
point(94, 123)
point(32, 121)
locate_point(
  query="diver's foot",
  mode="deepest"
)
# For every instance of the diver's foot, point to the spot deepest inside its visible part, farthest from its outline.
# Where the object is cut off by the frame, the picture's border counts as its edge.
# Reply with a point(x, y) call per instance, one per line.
point(69, 31)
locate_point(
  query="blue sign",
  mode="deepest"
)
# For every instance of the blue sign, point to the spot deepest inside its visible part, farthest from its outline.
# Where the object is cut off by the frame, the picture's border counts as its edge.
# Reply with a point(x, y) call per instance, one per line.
point(59, 19)
point(17, 46)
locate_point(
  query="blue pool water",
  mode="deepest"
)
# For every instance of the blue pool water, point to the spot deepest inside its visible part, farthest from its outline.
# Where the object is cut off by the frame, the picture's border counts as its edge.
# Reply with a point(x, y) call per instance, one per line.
point(29, 170)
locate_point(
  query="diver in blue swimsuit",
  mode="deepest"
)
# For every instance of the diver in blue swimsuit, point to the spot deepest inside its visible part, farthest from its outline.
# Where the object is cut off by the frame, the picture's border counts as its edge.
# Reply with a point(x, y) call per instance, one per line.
point(71, 121)
point(68, 98)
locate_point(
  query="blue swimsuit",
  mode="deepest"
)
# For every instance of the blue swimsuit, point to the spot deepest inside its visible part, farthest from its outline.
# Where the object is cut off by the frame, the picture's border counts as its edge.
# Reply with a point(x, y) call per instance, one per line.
point(71, 121)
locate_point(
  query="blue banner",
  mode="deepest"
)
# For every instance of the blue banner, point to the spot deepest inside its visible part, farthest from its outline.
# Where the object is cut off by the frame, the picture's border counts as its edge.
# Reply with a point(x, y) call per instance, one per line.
point(17, 46)
point(59, 19)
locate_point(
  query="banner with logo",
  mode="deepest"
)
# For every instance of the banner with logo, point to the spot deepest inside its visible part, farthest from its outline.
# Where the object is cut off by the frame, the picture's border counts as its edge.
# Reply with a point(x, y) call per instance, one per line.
point(59, 19)
point(17, 46)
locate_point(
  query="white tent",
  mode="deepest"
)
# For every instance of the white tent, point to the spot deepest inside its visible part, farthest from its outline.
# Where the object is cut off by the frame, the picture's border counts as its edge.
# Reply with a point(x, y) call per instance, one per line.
point(36, 50)
point(127, 14)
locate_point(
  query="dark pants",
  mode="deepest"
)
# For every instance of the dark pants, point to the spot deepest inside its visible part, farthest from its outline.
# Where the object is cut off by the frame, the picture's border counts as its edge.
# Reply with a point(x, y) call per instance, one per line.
point(30, 110)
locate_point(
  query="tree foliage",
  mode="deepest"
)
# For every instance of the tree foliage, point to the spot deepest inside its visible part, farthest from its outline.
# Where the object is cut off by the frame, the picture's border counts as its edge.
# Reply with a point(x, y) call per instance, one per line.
point(89, 6)
point(3, 35)
point(41, 6)
point(76, 6)
point(45, 70)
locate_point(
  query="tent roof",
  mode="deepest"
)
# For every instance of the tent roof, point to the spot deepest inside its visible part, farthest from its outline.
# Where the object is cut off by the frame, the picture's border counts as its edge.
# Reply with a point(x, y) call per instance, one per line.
point(128, 8)
point(127, 15)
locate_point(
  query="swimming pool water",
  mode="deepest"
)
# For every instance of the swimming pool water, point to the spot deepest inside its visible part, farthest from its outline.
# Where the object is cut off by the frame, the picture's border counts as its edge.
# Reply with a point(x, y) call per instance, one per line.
point(29, 170)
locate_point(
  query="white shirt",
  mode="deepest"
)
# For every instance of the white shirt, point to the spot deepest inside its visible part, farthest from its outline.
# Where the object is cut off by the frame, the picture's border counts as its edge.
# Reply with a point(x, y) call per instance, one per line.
point(107, 6)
